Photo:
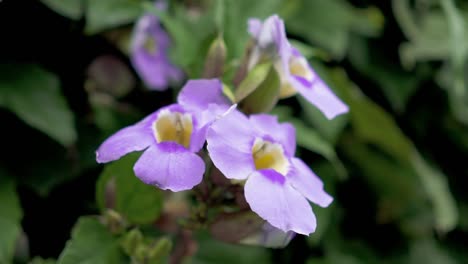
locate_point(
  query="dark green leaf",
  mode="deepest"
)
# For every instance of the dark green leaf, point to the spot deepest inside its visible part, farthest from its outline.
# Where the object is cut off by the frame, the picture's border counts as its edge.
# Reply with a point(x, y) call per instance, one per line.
point(91, 243)
point(214, 252)
point(33, 94)
point(10, 218)
point(107, 14)
point(72, 9)
point(330, 29)
point(118, 186)
point(311, 140)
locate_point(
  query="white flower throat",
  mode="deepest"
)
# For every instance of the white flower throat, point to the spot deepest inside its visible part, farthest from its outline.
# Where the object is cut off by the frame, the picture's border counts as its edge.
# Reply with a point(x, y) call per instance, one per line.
point(173, 127)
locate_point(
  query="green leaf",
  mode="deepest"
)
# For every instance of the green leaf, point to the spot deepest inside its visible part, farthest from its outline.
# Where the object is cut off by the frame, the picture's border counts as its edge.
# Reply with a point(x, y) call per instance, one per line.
point(72, 9)
point(371, 122)
point(373, 125)
point(138, 202)
point(397, 85)
point(396, 186)
point(107, 14)
point(33, 94)
point(311, 140)
point(39, 260)
point(436, 185)
point(330, 29)
point(10, 218)
point(91, 243)
point(427, 251)
point(265, 96)
point(212, 251)
point(252, 81)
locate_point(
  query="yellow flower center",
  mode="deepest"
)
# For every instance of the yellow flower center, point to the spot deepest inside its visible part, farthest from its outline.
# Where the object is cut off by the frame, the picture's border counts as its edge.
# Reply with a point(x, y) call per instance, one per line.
point(150, 45)
point(269, 155)
point(174, 127)
point(297, 67)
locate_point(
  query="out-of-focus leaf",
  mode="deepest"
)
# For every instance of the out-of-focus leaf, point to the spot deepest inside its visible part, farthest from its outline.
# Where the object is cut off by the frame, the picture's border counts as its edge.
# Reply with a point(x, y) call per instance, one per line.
point(395, 185)
point(373, 125)
point(438, 34)
point(138, 202)
point(311, 140)
point(212, 251)
point(91, 243)
point(435, 184)
point(72, 9)
point(39, 260)
point(107, 14)
point(463, 207)
point(10, 218)
point(397, 85)
point(330, 29)
point(427, 251)
point(371, 122)
point(33, 94)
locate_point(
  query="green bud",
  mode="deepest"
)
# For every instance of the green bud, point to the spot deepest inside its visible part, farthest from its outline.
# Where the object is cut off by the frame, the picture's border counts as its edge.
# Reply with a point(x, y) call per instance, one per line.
point(160, 250)
point(140, 253)
point(131, 241)
point(114, 221)
point(228, 93)
point(253, 80)
point(214, 63)
point(265, 96)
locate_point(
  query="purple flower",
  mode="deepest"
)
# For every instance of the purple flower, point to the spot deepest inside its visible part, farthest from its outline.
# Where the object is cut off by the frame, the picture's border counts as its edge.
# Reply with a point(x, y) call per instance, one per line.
point(149, 47)
point(170, 138)
point(295, 73)
point(261, 151)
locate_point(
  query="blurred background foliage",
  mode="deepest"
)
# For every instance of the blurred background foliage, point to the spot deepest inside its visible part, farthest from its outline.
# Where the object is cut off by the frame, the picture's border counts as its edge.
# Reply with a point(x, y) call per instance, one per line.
point(395, 163)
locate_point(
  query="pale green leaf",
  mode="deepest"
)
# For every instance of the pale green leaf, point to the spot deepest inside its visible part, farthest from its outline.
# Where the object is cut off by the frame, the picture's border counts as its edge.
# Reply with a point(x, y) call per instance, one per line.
point(436, 185)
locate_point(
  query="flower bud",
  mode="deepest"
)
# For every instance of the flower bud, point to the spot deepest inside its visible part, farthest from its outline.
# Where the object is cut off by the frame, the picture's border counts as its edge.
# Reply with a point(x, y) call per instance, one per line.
point(214, 63)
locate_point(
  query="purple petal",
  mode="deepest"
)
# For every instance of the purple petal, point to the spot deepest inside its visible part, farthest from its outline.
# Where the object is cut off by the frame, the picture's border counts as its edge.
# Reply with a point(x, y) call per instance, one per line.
point(304, 180)
point(318, 94)
point(255, 25)
point(132, 138)
point(155, 69)
point(269, 195)
point(170, 166)
point(285, 134)
point(197, 95)
point(230, 142)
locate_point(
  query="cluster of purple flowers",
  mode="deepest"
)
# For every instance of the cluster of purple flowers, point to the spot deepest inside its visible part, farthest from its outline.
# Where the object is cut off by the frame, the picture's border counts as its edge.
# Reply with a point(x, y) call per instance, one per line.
point(256, 151)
